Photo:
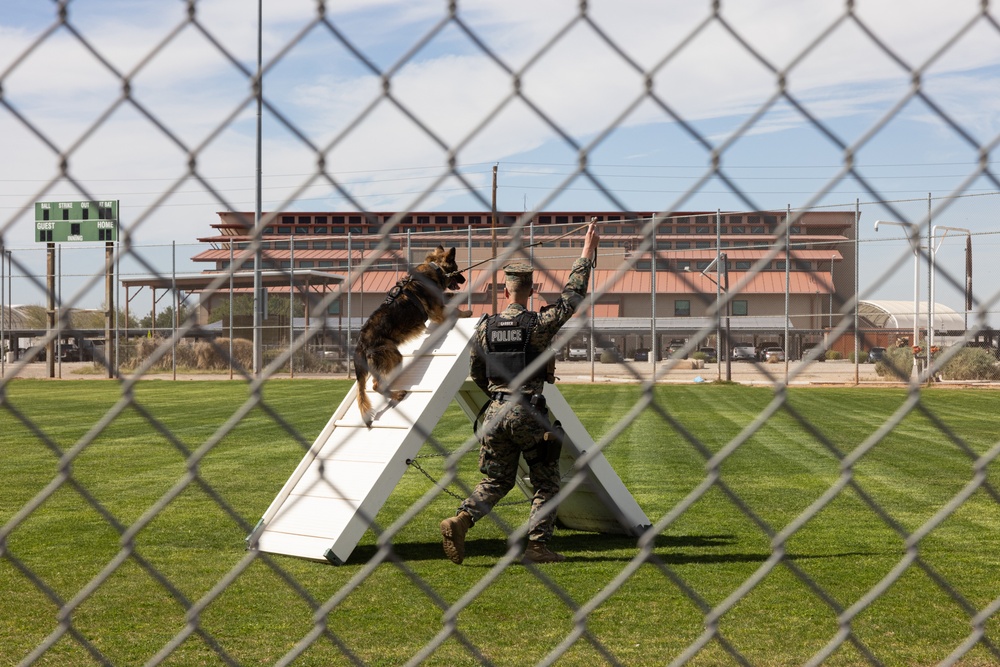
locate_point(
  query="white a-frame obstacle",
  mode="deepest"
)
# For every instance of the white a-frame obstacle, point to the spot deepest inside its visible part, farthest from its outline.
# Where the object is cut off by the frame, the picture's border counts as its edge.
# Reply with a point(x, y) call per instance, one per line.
point(333, 495)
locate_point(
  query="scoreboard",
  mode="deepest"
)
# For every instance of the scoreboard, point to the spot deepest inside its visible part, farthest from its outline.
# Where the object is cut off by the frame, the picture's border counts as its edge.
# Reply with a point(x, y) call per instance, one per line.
point(69, 221)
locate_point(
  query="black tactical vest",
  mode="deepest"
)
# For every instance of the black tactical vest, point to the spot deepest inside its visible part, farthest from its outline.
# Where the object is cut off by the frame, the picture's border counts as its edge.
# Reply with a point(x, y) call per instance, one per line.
point(508, 346)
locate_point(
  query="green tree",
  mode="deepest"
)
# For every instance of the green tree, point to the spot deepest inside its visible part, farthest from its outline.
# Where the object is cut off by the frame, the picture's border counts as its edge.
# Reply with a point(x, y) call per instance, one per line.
point(243, 305)
point(165, 318)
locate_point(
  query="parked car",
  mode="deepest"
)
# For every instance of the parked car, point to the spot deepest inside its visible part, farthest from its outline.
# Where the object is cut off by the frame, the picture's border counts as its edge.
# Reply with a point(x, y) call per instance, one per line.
point(875, 354)
point(709, 353)
point(675, 345)
point(763, 347)
point(641, 354)
point(808, 347)
point(744, 353)
point(774, 353)
point(577, 353)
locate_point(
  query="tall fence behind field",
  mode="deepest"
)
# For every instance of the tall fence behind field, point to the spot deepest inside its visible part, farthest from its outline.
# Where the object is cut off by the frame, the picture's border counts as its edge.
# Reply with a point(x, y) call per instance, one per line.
point(916, 219)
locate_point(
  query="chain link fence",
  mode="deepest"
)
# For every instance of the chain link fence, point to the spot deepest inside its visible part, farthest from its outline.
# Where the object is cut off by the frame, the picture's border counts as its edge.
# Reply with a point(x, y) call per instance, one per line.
point(569, 624)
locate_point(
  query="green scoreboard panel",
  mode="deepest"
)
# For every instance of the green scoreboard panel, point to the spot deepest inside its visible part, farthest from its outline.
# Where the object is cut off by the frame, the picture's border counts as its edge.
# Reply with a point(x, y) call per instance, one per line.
point(68, 221)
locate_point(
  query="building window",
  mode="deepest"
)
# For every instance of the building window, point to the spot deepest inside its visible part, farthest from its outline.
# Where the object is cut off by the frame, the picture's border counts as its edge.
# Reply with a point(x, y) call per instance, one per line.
point(610, 229)
point(307, 264)
point(703, 244)
point(301, 245)
point(663, 245)
point(757, 229)
point(305, 220)
point(544, 219)
point(743, 265)
point(665, 229)
point(741, 244)
point(441, 219)
point(320, 230)
point(701, 266)
point(702, 230)
point(683, 230)
point(284, 230)
point(337, 230)
point(738, 229)
point(287, 219)
point(796, 230)
point(738, 307)
point(628, 229)
point(682, 308)
point(474, 220)
point(736, 219)
point(683, 245)
point(643, 265)
point(325, 264)
point(301, 230)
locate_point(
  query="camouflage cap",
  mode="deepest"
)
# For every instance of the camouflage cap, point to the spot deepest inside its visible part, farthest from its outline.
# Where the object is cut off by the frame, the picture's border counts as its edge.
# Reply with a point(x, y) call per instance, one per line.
point(518, 271)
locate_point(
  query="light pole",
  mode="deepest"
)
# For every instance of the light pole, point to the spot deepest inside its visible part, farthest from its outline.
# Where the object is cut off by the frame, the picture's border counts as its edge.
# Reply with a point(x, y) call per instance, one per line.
point(913, 232)
point(968, 266)
point(832, 290)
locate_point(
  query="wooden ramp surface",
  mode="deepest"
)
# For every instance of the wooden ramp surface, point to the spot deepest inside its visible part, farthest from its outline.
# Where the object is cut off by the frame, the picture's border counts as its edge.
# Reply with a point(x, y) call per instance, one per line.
point(340, 485)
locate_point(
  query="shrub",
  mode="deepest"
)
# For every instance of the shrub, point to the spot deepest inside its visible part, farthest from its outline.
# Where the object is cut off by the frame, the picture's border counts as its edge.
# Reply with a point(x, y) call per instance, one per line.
point(834, 355)
point(970, 364)
point(895, 364)
point(205, 355)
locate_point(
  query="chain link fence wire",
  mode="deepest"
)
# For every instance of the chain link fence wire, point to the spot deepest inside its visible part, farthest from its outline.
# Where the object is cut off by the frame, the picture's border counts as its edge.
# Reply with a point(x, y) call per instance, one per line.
point(568, 626)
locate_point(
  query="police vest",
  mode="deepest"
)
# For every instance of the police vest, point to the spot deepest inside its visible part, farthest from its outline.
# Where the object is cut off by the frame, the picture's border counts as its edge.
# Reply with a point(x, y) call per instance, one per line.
point(508, 346)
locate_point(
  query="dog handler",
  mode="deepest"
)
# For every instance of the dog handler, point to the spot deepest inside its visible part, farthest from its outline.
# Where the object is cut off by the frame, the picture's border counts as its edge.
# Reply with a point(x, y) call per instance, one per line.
point(503, 346)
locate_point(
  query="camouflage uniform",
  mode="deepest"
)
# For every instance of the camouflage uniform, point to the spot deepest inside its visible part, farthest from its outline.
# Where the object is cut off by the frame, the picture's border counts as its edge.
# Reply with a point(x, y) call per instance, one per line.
point(522, 428)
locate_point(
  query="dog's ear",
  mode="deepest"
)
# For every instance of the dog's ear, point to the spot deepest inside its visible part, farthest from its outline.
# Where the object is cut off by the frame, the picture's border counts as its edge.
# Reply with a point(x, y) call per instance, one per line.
point(451, 255)
point(440, 248)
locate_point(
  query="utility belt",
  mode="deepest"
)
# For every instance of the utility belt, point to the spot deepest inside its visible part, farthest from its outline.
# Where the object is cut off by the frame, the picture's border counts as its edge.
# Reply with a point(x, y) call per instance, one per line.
point(549, 449)
point(537, 401)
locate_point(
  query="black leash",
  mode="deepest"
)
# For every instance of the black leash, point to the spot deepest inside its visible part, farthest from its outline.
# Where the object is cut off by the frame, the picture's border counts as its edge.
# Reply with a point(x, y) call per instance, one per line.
point(531, 245)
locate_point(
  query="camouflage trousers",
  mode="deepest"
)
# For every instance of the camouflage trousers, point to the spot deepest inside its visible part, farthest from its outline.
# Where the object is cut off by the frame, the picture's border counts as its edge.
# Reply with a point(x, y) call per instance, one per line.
point(519, 431)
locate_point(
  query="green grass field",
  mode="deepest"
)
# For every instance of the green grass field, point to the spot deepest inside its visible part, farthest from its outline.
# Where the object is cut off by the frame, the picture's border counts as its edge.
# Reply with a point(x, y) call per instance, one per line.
point(171, 448)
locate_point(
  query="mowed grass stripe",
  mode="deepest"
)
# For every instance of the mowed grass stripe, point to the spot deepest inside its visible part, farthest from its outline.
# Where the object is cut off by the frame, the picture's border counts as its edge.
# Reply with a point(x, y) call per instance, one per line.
point(845, 548)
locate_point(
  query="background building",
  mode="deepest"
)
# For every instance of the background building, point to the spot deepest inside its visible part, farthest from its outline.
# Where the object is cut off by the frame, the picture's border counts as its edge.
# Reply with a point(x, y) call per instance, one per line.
point(657, 276)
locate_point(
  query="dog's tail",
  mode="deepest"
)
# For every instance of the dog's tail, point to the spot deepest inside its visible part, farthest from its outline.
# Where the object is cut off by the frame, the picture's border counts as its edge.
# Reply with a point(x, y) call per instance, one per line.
point(361, 373)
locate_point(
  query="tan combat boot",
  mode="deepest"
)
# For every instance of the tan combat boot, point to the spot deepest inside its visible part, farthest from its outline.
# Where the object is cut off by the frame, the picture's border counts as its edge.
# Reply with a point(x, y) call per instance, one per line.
point(537, 552)
point(453, 530)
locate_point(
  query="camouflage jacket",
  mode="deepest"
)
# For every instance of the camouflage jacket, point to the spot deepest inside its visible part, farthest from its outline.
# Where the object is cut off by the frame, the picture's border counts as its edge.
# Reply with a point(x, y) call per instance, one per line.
point(550, 320)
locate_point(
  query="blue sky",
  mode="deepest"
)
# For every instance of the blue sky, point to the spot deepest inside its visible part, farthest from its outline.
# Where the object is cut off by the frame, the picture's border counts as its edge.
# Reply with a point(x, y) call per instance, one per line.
point(582, 84)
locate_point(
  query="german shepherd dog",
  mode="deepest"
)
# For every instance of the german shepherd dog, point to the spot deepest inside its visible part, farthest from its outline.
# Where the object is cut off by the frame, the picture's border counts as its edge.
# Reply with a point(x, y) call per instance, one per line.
point(401, 317)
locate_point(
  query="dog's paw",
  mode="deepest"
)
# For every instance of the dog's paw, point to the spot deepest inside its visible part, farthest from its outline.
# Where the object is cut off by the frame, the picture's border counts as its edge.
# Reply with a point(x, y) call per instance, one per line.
point(398, 395)
point(464, 313)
